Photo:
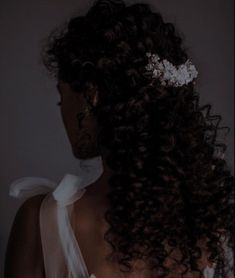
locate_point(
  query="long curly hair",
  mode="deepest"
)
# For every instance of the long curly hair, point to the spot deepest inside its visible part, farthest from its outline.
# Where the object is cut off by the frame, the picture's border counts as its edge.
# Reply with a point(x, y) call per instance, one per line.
point(171, 187)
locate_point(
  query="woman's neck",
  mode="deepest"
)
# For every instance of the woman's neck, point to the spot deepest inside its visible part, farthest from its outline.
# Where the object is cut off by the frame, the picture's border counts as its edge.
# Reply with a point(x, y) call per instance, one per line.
point(99, 189)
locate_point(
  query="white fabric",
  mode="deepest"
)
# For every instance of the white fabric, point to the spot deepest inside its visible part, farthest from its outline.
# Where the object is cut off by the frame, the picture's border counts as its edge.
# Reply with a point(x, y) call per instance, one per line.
point(209, 272)
point(64, 194)
point(62, 255)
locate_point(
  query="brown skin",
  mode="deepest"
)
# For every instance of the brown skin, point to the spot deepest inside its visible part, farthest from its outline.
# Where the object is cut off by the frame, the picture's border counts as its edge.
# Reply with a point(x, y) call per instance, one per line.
point(24, 251)
point(24, 257)
point(88, 220)
point(83, 140)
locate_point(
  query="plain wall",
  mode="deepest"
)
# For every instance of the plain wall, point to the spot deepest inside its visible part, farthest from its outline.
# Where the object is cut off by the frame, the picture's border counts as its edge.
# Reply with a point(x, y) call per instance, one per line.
point(33, 139)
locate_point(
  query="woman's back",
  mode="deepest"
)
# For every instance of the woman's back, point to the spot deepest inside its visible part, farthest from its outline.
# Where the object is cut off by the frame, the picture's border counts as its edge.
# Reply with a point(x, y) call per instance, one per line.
point(70, 237)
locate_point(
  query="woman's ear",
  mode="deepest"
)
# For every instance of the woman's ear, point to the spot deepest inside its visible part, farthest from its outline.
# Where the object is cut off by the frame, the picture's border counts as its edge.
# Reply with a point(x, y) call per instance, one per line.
point(91, 93)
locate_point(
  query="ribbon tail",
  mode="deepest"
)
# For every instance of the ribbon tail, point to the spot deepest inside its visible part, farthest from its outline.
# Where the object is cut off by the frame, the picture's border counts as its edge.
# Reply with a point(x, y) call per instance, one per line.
point(31, 186)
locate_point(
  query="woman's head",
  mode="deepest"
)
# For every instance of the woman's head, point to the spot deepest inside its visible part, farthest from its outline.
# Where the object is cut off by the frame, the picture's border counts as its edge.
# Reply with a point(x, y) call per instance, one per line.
point(106, 50)
point(168, 188)
point(79, 122)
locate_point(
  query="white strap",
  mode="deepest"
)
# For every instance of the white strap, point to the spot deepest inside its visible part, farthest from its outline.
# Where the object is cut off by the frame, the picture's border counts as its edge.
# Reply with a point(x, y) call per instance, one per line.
point(70, 189)
point(31, 186)
point(71, 249)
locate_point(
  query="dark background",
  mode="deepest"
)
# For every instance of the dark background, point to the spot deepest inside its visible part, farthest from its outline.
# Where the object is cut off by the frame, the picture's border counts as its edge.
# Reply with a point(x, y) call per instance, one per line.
point(33, 139)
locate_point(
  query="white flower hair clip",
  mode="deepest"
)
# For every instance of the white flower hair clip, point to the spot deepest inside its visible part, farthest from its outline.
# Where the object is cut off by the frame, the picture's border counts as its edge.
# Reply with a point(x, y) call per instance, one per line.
point(168, 74)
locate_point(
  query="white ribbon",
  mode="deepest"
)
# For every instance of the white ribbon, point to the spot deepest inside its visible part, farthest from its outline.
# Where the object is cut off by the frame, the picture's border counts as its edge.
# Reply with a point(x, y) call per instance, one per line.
point(70, 189)
point(30, 186)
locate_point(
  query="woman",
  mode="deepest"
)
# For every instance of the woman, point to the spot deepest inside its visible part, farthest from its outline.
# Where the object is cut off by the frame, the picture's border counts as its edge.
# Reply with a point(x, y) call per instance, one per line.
point(160, 203)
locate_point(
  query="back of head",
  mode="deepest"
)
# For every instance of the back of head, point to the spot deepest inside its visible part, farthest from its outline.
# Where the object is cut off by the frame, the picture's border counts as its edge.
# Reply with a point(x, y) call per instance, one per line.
point(170, 190)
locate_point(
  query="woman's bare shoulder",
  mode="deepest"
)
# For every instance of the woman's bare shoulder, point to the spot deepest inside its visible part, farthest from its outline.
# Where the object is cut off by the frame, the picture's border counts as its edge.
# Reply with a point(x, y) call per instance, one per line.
point(32, 203)
point(24, 252)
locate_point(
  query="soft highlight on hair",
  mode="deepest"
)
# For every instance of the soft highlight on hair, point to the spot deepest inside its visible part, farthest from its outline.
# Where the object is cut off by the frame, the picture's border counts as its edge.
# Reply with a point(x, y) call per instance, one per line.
point(171, 189)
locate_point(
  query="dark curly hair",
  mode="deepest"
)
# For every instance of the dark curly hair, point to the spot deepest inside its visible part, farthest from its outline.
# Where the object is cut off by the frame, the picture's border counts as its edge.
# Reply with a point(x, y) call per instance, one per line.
point(171, 189)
